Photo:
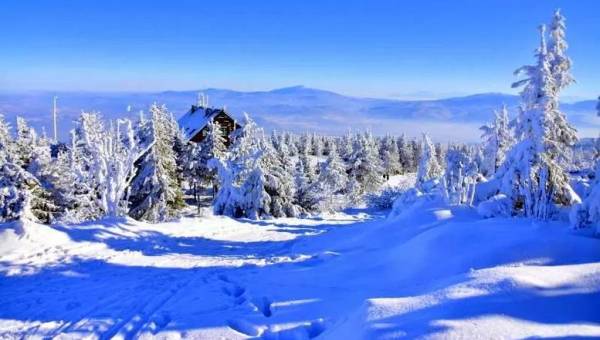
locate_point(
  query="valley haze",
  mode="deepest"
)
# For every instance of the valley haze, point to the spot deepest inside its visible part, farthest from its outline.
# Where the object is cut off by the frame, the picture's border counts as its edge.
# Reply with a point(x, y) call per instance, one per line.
point(298, 109)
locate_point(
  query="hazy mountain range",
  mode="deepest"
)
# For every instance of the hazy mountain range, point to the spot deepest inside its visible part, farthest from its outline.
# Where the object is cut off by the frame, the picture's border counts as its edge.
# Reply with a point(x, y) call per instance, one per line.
point(297, 109)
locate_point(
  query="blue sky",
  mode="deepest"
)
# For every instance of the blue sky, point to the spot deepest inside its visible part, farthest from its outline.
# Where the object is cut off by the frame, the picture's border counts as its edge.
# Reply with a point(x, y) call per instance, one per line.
point(404, 49)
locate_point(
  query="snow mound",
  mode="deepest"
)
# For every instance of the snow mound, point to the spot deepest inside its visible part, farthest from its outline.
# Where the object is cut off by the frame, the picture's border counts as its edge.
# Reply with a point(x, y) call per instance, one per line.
point(26, 236)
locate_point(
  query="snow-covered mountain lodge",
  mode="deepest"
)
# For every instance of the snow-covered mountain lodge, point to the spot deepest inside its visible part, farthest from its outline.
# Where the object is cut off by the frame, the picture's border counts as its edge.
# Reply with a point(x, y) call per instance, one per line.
point(194, 123)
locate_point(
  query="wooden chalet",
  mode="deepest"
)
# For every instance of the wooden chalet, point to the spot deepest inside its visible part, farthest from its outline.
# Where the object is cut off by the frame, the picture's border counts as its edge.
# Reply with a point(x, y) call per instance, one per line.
point(195, 123)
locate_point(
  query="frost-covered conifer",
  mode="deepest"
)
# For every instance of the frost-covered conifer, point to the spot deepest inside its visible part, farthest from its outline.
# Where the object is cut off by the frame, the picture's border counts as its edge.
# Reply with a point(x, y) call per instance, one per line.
point(304, 195)
point(531, 175)
point(416, 152)
point(155, 191)
point(278, 181)
point(460, 176)
point(317, 145)
point(290, 142)
point(429, 168)
point(21, 194)
point(305, 144)
point(198, 155)
point(332, 182)
point(497, 140)
point(253, 179)
point(345, 147)
point(560, 63)
point(390, 157)
point(365, 165)
point(105, 157)
point(241, 181)
point(405, 154)
point(25, 142)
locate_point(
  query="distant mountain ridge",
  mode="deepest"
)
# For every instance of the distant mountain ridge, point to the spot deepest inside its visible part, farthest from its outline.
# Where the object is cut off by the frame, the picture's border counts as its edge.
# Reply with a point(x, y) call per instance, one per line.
point(297, 108)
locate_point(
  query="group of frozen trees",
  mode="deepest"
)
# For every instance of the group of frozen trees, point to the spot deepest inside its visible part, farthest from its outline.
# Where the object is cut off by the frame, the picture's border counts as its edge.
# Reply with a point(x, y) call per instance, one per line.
point(286, 175)
point(142, 169)
point(520, 168)
point(108, 169)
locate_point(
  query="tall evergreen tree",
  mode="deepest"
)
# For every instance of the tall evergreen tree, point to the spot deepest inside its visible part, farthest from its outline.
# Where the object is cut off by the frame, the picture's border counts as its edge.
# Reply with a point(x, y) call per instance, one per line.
point(365, 165)
point(332, 182)
point(22, 195)
point(531, 175)
point(560, 63)
point(390, 157)
point(429, 168)
point(25, 142)
point(198, 155)
point(155, 192)
point(497, 140)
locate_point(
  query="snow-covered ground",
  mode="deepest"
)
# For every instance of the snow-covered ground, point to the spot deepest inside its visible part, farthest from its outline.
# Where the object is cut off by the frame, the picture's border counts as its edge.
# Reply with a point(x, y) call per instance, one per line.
point(435, 272)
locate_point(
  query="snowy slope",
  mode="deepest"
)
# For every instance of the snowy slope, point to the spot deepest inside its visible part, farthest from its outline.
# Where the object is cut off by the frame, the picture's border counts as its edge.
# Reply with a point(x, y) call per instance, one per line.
point(436, 272)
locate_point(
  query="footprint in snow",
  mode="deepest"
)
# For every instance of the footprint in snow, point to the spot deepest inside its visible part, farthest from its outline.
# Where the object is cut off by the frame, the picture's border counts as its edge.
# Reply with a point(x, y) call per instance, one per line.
point(245, 327)
point(263, 305)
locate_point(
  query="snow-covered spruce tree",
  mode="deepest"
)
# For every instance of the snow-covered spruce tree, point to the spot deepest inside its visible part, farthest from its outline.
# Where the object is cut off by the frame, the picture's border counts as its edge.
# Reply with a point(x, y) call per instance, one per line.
point(417, 151)
point(460, 176)
point(21, 194)
point(560, 63)
point(497, 140)
point(25, 142)
point(390, 157)
point(198, 155)
point(252, 180)
point(278, 181)
point(155, 191)
point(440, 154)
point(531, 175)
point(290, 142)
point(345, 147)
point(332, 182)
point(241, 182)
point(317, 145)
point(405, 154)
point(429, 168)
point(365, 165)
point(105, 158)
point(305, 144)
point(302, 193)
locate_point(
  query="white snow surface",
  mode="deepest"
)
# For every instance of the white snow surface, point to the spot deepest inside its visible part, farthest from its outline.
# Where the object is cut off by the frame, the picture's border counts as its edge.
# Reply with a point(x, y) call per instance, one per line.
point(436, 272)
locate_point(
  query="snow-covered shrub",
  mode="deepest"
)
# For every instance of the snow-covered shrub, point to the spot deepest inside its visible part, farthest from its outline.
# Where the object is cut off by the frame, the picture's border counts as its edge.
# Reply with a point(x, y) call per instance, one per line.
point(497, 206)
point(405, 201)
point(587, 213)
point(460, 176)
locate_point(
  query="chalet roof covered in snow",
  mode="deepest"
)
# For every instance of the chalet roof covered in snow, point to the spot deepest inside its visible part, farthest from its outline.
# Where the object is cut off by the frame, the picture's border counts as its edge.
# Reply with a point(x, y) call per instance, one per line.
point(197, 118)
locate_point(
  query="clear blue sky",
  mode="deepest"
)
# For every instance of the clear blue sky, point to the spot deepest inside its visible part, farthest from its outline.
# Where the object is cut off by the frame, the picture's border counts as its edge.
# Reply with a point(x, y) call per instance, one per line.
point(369, 48)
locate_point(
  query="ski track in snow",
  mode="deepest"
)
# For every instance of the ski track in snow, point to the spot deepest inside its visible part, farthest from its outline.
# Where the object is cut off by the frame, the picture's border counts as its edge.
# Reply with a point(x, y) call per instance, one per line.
point(438, 272)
